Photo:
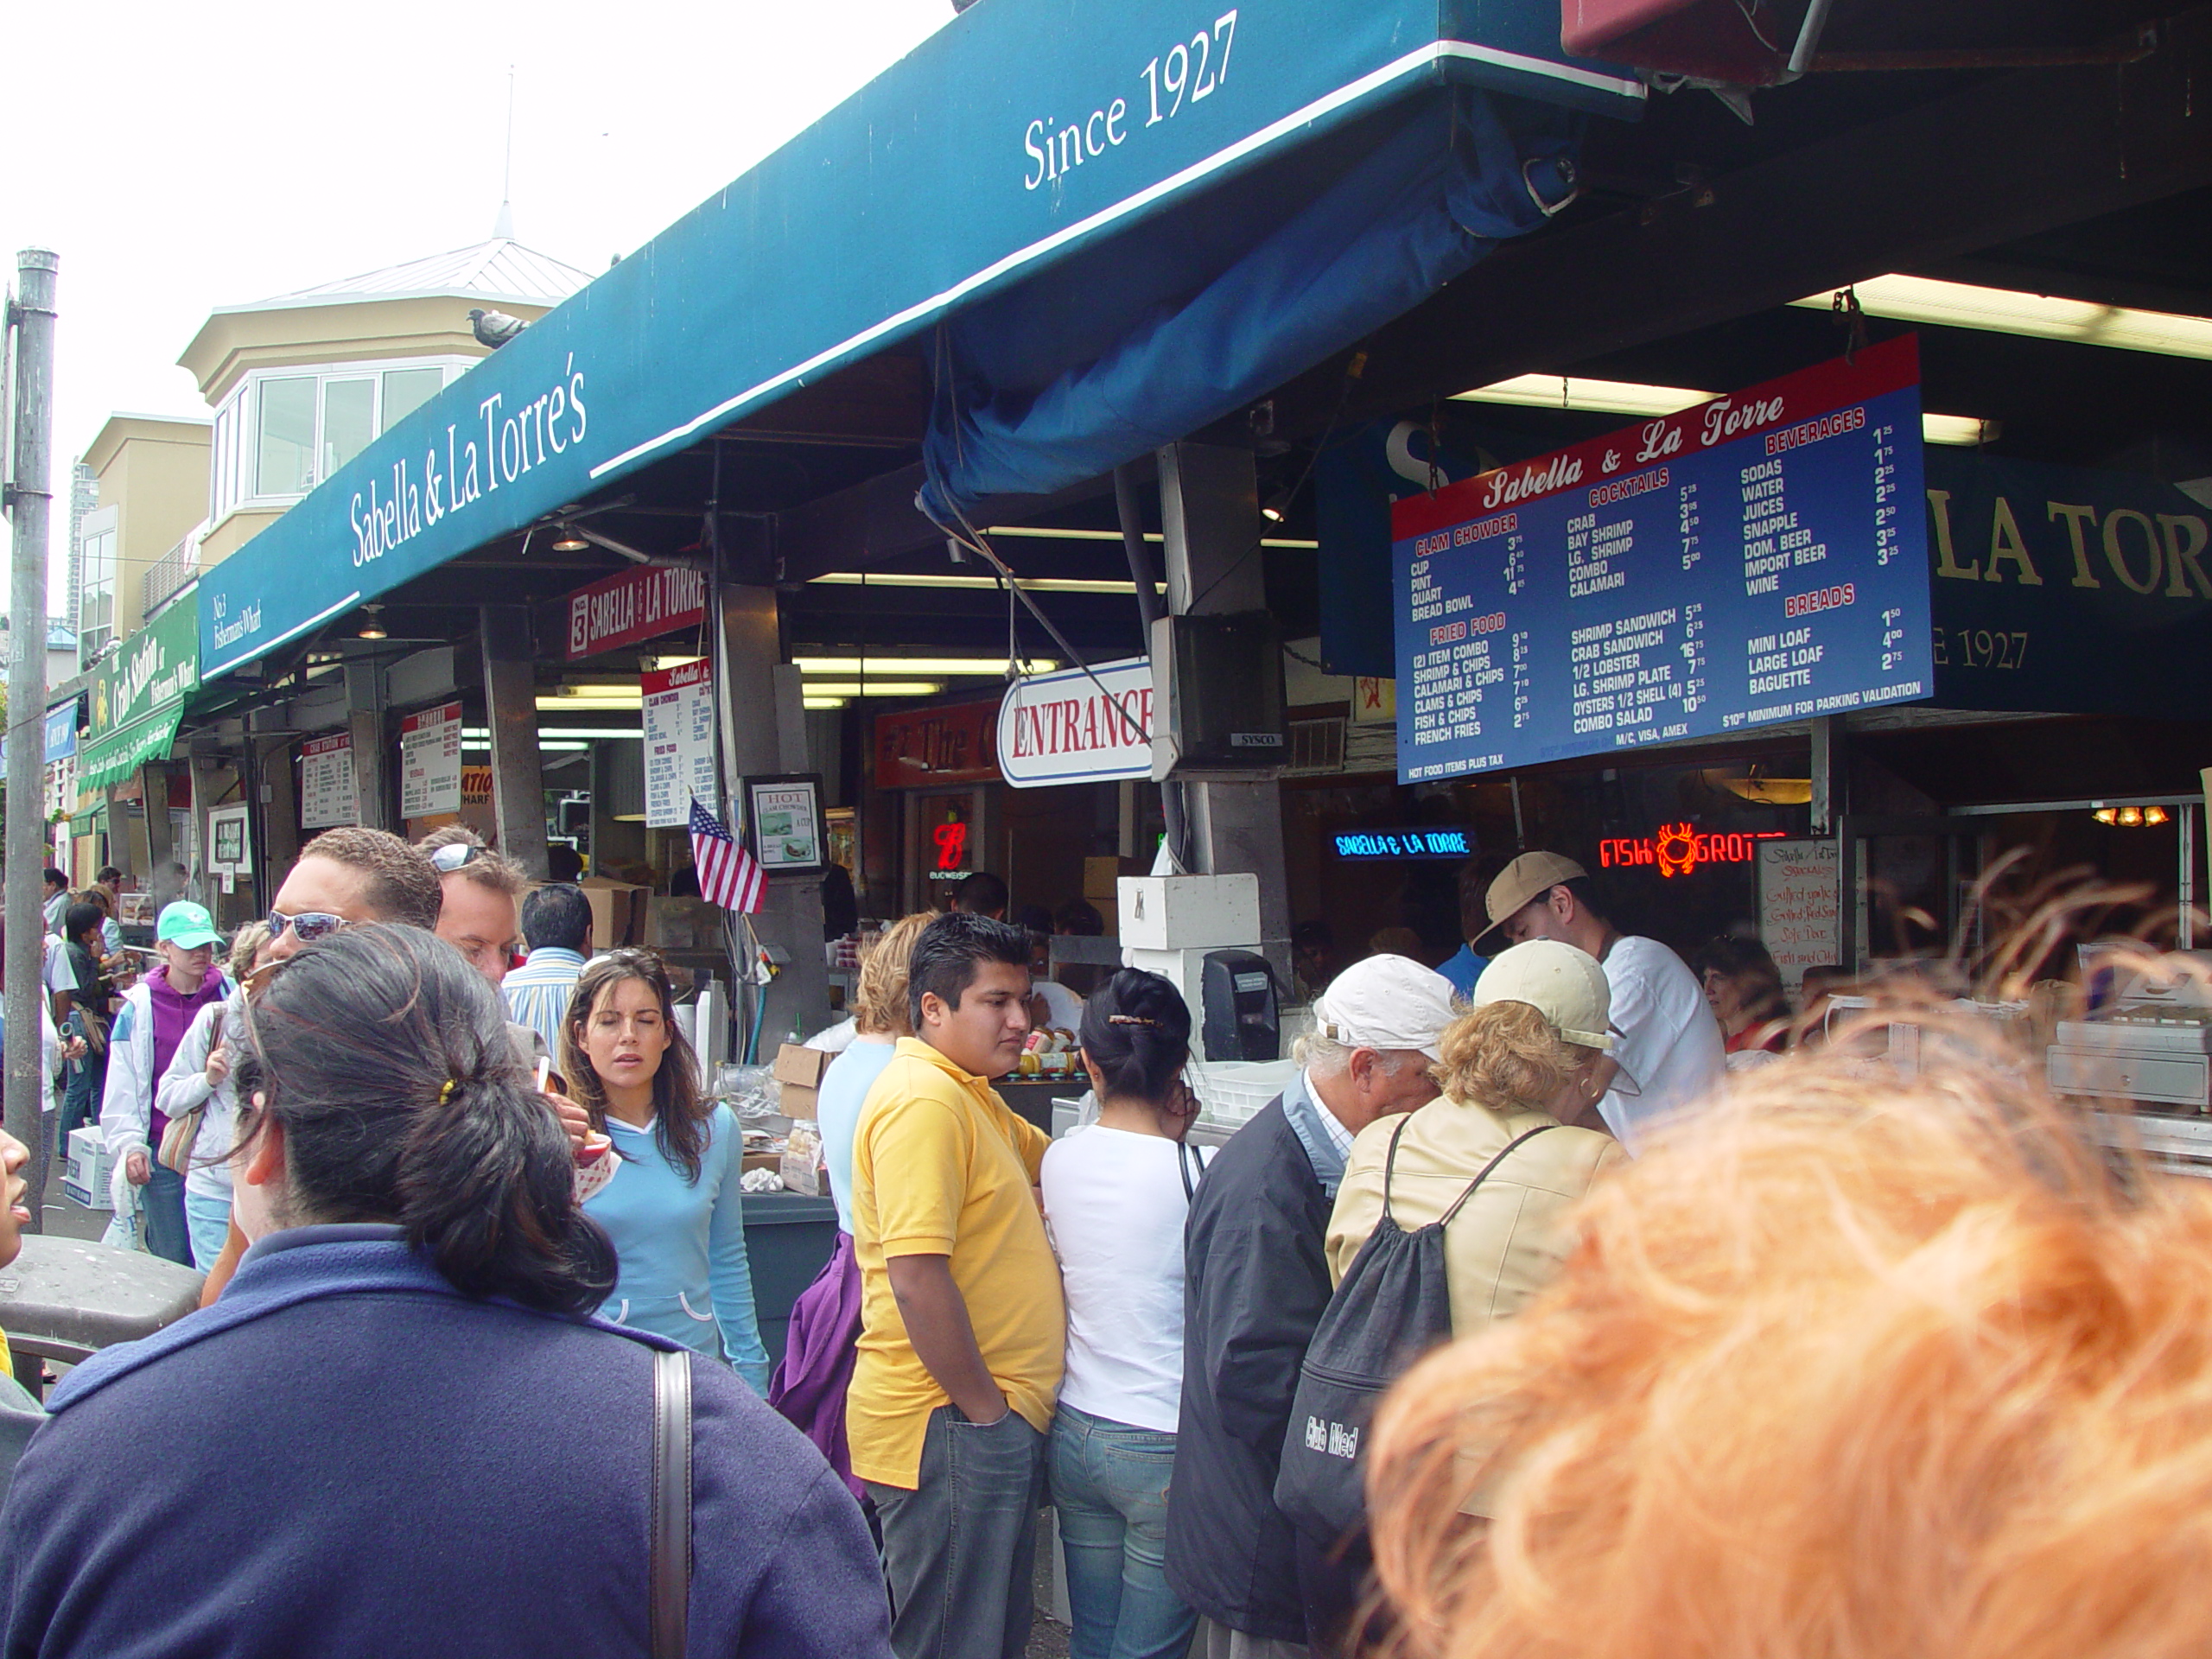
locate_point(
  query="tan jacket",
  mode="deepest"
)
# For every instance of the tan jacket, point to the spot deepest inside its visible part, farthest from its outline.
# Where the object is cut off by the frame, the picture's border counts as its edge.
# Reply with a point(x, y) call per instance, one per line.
point(1509, 1240)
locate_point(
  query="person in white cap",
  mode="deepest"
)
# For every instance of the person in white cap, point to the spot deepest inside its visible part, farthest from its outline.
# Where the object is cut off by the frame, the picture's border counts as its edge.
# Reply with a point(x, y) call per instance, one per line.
point(1255, 1282)
point(1668, 1053)
point(1524, 1057)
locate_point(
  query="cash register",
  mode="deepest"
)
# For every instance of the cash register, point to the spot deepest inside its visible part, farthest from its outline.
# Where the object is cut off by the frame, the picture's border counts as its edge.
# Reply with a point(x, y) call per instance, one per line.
point(2145, 1045)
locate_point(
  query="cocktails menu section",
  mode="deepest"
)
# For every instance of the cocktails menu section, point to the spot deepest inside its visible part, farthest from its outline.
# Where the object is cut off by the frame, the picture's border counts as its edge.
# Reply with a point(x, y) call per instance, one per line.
point(1758, 558)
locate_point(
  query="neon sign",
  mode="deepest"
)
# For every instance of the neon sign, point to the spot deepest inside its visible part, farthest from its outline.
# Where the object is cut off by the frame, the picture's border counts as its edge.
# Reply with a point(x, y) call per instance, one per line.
point(951, 845)
point(1403, 843)
point(1678, 849)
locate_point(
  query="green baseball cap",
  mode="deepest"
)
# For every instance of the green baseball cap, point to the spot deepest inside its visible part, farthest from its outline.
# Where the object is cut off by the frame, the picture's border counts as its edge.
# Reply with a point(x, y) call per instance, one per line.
point(188, 925)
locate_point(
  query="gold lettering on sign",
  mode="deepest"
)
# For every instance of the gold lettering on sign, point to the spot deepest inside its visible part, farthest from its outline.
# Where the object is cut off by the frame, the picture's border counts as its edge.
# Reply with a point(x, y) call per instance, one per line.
point(1946, 563)
point(2008, 546)
point(2076, 517)
point(2184, 536)
point(2118, 559)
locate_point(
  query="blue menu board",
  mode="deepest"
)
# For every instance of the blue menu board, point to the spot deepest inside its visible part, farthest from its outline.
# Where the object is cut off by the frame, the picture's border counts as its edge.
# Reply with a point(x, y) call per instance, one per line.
point(1760, 557)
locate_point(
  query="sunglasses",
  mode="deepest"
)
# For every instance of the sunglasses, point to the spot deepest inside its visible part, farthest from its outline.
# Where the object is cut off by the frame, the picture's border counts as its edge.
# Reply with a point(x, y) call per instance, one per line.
point(310, 924)
point(456, 856)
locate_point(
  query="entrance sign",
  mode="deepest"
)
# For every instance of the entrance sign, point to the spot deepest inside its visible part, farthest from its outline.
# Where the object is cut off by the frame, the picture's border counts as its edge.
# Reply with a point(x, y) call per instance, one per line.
point(1077, 728)
point(1758, 558)
point(1799, 905)
point(429, 762)
point(327, 797)
point(679, 708)
point(632, 606)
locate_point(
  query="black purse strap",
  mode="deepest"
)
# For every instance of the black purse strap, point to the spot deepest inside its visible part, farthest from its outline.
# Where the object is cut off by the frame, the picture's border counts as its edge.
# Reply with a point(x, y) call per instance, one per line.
point(1185, 1156)
point(669, 1551)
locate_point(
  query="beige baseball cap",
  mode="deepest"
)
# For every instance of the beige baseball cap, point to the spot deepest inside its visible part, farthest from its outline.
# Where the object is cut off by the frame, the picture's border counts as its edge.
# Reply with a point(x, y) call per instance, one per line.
point(1386, 1002)
point(1564, 984)
point(1526, 879)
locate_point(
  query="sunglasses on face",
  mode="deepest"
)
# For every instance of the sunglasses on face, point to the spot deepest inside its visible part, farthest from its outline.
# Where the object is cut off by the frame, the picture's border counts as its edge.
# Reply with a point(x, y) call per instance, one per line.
point(310, 924)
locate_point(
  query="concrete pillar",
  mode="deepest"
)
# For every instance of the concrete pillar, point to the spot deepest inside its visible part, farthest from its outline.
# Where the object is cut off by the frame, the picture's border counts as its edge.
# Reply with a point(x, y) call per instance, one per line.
point(1210, 515)
point(278, 816)
point(154, 794)
point(511, 710)
point(372, 757)
point(757, 737)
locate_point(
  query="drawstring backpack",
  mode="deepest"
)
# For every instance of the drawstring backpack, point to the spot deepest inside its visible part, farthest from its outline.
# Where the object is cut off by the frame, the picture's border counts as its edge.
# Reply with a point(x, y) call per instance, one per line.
point(1393, 1305)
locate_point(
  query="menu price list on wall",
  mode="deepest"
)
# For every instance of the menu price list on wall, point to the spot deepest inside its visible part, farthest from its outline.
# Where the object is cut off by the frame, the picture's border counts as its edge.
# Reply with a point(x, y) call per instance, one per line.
point(679, 722)
point(1760, 557)
point(429, 762)
point(327, 797)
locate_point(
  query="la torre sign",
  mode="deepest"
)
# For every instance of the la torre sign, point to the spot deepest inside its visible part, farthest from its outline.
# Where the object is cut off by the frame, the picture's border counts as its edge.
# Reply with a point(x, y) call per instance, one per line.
point(1079, 726)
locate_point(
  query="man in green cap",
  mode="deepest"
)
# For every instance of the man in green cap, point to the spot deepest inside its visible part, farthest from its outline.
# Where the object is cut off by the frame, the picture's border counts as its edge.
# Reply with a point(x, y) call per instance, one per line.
point(157, 1011)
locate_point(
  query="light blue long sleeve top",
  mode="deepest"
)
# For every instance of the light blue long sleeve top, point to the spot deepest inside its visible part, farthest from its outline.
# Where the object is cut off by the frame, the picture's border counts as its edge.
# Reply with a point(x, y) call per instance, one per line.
point(681, 1245)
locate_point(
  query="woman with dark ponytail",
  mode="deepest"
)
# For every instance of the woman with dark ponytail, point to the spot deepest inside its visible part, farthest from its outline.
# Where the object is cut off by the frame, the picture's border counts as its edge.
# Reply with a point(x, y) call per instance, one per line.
point(1116, 1195)
point(401, 1428)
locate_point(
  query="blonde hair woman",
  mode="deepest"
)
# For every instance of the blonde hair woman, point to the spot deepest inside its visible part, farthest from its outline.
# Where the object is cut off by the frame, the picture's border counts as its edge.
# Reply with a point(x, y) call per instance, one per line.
point(811, 1380)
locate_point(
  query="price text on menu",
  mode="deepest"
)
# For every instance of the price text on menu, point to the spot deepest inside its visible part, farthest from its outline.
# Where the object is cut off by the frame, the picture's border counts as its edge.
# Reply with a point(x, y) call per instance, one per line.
point(1758, 558)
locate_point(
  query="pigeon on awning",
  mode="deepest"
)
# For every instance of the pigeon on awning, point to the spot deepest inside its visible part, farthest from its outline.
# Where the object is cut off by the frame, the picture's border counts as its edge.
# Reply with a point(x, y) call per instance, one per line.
point(494, 329)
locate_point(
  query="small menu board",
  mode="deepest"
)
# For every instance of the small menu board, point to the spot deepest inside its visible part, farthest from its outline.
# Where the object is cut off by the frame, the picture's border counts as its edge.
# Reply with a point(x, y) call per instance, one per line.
point(1758, 558)
point(327, 797)
point(679, 707)
point(1799, 905)
point(429, 762)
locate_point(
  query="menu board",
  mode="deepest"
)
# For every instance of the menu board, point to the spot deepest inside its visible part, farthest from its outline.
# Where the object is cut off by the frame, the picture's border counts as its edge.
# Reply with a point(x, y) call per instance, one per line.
point(679, 742)
point(1799, 905)
point(327, 797)
point(429, 762)
point(1758, 558)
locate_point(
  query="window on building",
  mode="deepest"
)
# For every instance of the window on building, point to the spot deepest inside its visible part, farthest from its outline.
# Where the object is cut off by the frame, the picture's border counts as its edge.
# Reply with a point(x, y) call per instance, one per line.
point(406, 391)
point(95, 598)
point(287, 451)
point(349, 421)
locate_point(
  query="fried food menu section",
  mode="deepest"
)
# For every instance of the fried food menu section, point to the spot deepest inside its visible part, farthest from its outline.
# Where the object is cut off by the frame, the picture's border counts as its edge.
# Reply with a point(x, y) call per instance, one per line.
point(1755, 559)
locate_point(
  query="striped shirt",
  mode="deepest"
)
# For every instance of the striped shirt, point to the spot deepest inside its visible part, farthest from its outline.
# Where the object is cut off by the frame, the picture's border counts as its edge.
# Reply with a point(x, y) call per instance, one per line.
point(538, 991)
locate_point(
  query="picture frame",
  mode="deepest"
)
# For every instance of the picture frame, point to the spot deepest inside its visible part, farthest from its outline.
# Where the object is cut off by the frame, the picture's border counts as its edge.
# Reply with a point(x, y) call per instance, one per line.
point(784, 829)
point(230, 841)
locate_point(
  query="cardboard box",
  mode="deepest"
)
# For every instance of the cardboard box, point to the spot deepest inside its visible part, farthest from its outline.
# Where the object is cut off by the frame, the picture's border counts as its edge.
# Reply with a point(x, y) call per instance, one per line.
point(1099, 875)
point(683, 923)
point(90, 1168)
point(798, 1069)
point(618, 912)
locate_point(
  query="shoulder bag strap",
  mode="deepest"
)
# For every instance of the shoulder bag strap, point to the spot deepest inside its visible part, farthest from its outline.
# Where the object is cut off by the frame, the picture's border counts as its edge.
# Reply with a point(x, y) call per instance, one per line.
point(669, 1557)
point(1511, 1146)
point(1390, 1166)
point(1187, 1155)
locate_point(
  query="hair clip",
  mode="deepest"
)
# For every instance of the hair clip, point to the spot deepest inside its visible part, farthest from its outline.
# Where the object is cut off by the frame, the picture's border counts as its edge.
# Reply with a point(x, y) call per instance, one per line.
point(1133, 1020)
point(445, 1091)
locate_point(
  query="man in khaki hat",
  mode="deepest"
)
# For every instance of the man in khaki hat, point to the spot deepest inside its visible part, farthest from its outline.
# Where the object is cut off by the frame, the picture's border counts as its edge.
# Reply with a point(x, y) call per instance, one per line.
point(1669, 1054)
point(1256, 1280)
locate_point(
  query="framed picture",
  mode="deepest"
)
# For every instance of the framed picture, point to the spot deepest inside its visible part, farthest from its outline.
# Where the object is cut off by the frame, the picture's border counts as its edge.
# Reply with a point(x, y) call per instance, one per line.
point(229, 849)
point(783, 827)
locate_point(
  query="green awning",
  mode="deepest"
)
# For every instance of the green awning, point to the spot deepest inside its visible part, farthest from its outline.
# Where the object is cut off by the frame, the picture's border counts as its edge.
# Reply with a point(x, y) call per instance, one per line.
point(112, 758)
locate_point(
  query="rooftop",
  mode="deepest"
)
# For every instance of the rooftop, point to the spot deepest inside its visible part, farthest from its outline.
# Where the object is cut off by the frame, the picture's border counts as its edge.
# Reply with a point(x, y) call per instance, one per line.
point(500, 268)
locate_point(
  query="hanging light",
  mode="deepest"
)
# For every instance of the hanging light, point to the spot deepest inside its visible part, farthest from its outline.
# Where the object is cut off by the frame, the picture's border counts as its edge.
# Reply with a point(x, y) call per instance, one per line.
point(2154, 815)
point(1276, 510)
point(372, 622)
point(569, 542)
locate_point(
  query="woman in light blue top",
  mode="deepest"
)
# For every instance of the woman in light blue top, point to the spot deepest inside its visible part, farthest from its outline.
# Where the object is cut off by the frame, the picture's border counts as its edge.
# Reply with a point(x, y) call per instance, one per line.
point(673, 1208)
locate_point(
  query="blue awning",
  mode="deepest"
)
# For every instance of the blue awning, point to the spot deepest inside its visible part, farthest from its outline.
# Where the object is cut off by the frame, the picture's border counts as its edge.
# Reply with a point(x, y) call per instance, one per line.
point(1024, 134)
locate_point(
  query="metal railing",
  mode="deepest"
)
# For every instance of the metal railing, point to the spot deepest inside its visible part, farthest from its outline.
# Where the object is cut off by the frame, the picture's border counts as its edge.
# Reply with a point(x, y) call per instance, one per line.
point(179, 565)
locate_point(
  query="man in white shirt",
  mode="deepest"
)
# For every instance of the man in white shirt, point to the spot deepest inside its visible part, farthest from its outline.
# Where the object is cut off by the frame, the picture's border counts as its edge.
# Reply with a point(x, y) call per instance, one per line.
point(1669, 1054)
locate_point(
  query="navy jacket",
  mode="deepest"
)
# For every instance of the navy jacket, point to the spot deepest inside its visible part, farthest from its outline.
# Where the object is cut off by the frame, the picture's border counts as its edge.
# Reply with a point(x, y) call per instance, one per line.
point(1255, 1282)
point(346, 1456)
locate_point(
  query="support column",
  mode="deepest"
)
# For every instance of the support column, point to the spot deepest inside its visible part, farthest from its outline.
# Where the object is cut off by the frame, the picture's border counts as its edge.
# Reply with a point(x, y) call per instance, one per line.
point(757, 740)
point(372, 760)
point(1210, 514)
point(277, 788)
point(154, 797)
point(511, 710)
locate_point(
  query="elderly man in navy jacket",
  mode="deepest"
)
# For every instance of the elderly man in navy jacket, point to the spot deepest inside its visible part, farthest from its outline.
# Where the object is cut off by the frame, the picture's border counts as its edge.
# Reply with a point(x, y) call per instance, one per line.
point(1256, 1279)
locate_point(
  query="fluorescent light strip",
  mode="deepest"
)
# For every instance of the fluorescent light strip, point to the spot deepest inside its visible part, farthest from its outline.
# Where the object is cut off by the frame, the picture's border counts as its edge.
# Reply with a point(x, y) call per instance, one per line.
point(1626, 397)
point(821, 702)
point(2013, 311)
point(1034, 532)
point(590, 705)
point(1032, 584)
point(873, 688)
point(864, 665)
point(638, 736)
point(471, 745)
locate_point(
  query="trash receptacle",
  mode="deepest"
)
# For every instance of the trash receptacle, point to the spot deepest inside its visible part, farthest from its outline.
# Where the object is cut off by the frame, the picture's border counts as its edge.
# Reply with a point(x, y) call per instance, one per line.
point(65, 1299)
point(788, 1237)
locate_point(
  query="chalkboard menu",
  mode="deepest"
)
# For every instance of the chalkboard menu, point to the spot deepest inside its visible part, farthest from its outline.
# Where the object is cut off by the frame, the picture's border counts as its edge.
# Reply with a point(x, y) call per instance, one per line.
point(1758, 558)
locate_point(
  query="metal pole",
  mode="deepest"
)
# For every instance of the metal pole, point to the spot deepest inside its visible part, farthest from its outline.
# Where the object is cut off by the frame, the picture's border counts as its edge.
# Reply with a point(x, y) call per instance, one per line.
point(30, 319)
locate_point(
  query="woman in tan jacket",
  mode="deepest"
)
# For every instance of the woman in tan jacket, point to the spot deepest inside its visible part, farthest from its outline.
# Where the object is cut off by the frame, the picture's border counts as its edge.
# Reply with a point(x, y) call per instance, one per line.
point(1522, 1056)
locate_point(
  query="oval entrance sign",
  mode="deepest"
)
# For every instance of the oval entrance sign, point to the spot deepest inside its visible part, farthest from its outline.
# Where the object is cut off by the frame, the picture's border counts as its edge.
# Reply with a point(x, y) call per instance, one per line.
point(1078, 727)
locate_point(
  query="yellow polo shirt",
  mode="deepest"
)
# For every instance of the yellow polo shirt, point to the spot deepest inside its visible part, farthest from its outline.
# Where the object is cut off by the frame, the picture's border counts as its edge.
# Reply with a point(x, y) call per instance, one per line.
point(941, 1168)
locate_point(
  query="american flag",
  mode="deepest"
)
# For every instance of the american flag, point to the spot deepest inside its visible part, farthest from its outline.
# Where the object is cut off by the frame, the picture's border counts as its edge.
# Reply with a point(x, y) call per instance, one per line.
point(728, 875)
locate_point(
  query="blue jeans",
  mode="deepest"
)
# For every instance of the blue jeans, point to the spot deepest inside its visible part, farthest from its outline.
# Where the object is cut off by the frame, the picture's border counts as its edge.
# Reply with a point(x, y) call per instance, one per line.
point(208, 1222)
point(163, 1200)
point(1109, 1483)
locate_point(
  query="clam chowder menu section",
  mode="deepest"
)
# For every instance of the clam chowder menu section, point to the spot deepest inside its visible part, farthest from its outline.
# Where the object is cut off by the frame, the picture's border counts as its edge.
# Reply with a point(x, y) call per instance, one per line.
point(1760, 557)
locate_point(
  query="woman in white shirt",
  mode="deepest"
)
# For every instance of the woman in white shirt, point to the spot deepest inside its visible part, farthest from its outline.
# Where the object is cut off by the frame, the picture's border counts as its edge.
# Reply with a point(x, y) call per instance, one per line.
point(1116, 1195)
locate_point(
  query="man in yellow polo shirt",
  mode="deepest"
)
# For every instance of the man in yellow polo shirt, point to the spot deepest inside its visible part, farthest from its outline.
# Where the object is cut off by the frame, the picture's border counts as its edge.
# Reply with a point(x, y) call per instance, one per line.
point(961, 1324)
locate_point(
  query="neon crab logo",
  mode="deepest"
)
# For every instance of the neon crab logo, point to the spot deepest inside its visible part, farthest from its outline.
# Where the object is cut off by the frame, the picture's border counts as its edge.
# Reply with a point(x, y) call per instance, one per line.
point(1678, 849)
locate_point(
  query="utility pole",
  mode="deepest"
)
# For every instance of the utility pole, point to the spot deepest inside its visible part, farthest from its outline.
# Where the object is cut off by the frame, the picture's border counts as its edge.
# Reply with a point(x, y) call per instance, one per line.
point(27, 501)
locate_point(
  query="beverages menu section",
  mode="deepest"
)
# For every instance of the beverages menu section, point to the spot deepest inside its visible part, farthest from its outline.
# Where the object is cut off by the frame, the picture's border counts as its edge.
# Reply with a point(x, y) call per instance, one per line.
point(1760, 557)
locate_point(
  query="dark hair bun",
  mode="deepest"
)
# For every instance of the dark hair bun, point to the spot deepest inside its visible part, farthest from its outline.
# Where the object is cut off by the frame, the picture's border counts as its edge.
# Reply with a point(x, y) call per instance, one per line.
point(1136, 1030)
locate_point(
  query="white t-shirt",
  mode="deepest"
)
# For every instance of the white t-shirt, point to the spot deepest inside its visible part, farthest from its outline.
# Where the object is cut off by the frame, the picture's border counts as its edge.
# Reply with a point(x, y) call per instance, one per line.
point(1666, 1037)
point(1113, 1209)
point(59, 974)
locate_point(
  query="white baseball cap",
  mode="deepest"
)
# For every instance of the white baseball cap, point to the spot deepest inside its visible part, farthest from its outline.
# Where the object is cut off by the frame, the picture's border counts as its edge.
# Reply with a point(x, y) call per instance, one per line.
point(1564, 984)
point(1386, 1002)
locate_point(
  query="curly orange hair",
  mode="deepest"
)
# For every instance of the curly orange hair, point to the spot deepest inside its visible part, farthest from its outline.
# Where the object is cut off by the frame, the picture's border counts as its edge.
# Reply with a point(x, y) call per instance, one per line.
point(1850, 1366)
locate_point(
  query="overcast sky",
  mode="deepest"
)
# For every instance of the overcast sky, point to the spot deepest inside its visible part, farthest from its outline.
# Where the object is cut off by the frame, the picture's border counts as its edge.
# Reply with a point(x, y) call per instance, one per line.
point(183, 157)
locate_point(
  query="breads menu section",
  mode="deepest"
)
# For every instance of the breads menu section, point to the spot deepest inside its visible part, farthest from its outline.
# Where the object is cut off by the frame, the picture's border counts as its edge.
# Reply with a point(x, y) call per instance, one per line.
point(1758, 558)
